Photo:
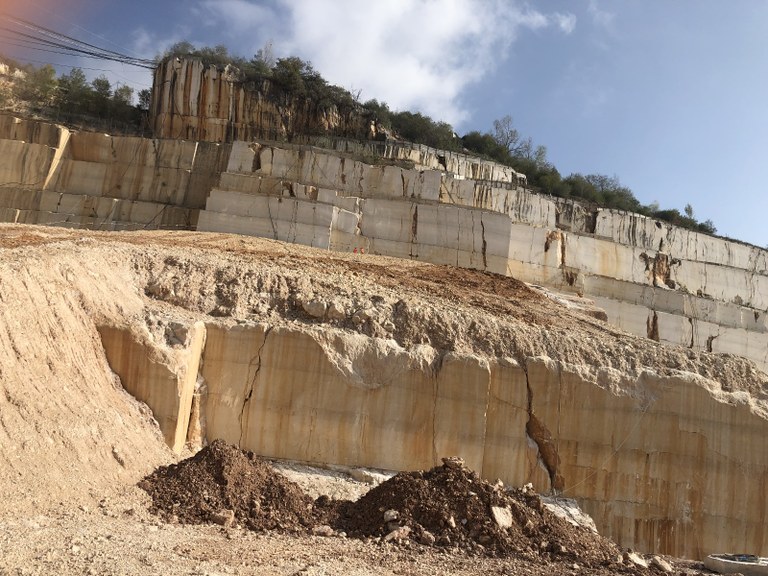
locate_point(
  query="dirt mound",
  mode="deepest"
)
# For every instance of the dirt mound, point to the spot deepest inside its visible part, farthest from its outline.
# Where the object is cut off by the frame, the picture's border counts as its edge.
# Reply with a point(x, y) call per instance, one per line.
point(452, 506)
point(449, 506)
point(222, 478)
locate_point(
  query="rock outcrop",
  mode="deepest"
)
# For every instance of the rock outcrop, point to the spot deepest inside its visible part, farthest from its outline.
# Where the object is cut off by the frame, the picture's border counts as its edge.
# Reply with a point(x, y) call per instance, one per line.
point(663, 445)
point(50, 175)
point(192, 101)
point(652, 279)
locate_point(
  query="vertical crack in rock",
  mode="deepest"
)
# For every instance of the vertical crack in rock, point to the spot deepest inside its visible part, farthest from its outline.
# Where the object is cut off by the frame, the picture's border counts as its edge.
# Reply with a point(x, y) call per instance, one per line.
point(543, 439)
point(271, 219)
point(591, 224)
point(562, 249)
point(693, 332)
point(257, 360)
point(256, 164)
point(553, 235)
point(710, 340)
point(556, 236)
point(192, 163)
point(288, 187)
point(485, 244)
point(652, 326)
point(402, 179)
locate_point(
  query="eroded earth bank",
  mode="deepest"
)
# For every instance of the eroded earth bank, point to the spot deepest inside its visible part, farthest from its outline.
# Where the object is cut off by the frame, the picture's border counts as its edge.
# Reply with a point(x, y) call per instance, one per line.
point(123, 352)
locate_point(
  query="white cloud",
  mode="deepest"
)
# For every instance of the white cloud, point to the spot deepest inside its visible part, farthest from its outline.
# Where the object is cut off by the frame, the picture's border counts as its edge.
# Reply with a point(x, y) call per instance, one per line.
point(600, 17)
point(566, 22)
point(412, 54)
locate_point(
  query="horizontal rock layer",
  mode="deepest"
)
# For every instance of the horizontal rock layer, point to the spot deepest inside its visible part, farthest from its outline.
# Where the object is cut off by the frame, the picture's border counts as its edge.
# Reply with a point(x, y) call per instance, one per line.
point(52, 176)
point(658, 461)
point(652, 279)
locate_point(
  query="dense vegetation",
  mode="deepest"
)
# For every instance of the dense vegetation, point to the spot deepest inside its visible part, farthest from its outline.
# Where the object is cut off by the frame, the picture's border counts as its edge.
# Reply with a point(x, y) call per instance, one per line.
point(71, 94)
point(70, 97)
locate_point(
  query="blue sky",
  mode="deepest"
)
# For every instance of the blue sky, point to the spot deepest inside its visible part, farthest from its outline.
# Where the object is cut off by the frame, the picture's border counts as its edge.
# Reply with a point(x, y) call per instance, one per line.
point(670, 96)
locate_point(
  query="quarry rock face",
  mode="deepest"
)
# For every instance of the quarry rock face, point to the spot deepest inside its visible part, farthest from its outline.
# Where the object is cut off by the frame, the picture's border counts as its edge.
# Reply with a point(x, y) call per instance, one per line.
point(663, 446)
point(197, 102)
point(340, 356)
point(650, 278)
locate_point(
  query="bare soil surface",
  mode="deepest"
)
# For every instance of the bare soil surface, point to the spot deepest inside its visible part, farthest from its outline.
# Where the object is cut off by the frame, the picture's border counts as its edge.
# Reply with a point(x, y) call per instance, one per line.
point(74, 444)
point(222, 477)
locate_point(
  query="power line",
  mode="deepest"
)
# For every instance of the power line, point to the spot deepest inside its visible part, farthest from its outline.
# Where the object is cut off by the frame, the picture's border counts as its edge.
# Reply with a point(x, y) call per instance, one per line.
point(25, 34)
point(59, 17)
point(57, 64)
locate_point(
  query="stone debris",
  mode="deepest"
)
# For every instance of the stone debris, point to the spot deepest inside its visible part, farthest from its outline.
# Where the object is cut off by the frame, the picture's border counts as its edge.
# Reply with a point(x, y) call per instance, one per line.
point(364, 476)
point(660, 564)
point(427, 538)
point(502, 516)
point(633, 558)
point(568, 509)
point(224, 484)
point(400, 533)
point(323, 530)
point(336, 311)
point(224, 518)
point(315, 308)
point(118, 456)
point(449, 506)
point(454, 462)
point(391, 516)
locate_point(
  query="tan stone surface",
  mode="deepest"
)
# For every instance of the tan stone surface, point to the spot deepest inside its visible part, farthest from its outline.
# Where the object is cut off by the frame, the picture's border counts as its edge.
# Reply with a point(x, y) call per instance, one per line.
point(30, 131)
point(709, 292)
point(651, 457)
point(663, 445)
point(24, 165)
point(164, 379)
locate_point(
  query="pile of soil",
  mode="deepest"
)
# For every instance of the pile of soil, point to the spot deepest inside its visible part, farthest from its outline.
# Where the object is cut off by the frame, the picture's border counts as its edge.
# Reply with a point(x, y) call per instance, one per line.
point(449, 506)
point(452, 506)
point(222, 478)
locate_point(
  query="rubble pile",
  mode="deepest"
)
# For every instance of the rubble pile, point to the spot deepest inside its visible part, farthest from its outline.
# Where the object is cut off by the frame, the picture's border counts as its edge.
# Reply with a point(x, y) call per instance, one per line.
point(452, 506)
point(448, 507)
point(228, 486)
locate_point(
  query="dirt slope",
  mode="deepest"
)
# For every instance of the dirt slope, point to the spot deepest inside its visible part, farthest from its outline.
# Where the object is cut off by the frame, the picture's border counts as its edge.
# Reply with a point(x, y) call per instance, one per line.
point(71, 437)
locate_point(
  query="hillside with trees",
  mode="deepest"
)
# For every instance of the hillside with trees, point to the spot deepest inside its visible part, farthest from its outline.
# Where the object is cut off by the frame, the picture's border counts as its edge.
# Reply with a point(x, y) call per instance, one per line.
point(71, 99)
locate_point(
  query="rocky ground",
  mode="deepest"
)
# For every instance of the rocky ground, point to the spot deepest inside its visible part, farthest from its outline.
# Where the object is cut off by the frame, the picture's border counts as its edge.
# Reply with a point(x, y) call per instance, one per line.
point(226, 512)
point(74, 446)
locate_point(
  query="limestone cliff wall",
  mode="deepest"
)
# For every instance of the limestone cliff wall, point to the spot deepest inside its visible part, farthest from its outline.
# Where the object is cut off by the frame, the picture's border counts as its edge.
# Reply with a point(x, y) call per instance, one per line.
point(50, 175)
point(619, 444)
point(653, 279)
point(666, 463)
point(197, 102)
point(191, 101)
